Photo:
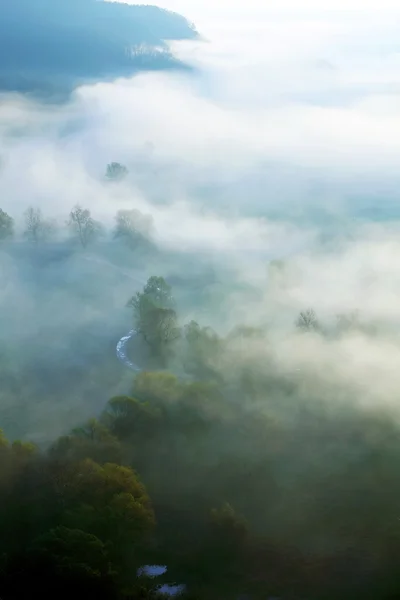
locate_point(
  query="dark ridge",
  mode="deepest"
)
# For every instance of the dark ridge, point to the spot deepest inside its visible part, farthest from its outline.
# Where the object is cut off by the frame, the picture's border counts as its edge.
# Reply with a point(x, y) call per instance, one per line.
point(49, 47)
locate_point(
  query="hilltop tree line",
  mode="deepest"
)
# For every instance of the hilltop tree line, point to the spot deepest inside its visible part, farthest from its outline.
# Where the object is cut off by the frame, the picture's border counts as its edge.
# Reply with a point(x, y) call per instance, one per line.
point(245, 481)
point(156, 321)
point(131, 226)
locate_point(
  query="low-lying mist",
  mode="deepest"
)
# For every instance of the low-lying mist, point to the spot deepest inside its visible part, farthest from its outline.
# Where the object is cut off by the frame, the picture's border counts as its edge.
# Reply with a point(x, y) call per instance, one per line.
point(243, 222)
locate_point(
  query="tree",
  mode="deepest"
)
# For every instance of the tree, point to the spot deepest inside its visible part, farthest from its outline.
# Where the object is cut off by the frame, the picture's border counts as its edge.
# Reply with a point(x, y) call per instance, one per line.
point(351, 322)
point(72, 551)
point(159, 291)
point(157, 387)
point(116, 172)
point(161, 328)
point(202, 350)
point(220, 557)
point(154, 316)
point(126, 416)
point(37, 229)
point(132, 226)
point(6, 226)
point(230, 528)
point(83, 226)
point(108, 501)
point(158, 326)
point(307, 321)
point(58, 563)
point(87, 482)
point(192, 332)
point(93, 440)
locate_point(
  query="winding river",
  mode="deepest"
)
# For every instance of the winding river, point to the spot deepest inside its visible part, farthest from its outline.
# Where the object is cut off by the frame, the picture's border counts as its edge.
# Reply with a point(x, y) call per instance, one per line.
point(152, 571)
point(121, 351)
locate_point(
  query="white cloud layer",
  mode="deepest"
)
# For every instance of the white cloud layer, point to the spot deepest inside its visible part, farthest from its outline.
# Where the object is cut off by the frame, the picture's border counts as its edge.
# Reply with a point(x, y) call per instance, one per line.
point(294, 105)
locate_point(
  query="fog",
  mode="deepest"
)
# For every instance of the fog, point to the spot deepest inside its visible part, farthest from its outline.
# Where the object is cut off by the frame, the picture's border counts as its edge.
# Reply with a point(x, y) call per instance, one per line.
point(261, 183)
point(283, 145)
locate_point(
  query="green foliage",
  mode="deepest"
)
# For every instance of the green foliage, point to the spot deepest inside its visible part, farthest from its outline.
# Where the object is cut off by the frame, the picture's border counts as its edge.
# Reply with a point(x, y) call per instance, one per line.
point(308, 499)
point(202, 351)
point(6, 226)
point(90, 483)
point(155, 387)
point(154, 316)
point(74, 520)
point(93, 440)
point(306, 484)
point(24, 450)
point(3, 440)
point(72, 551)
point(159, 292)
point(126, 417)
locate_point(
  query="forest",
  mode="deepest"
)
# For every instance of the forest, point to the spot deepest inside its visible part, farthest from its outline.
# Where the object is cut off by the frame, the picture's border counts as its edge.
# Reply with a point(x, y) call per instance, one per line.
point(199, 341)
point(49, 47)
point(236, 473)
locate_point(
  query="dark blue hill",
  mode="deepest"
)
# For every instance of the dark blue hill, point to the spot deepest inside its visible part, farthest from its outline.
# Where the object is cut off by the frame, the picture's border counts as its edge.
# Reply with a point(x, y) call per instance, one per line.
point(53, 45)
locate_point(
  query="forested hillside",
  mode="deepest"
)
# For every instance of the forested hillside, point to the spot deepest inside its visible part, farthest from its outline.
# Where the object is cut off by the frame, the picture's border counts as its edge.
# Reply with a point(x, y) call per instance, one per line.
point(234, 473)
point(51, 46)
point(199, 301)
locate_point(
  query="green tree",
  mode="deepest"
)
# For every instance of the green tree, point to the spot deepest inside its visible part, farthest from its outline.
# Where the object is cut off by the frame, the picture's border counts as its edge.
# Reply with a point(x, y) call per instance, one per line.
point(4, 443)
point(154, 316)
point(93, 440)
point(219, 559)
point(83, 226)
point(157, 387)
point(90, 483)
point(58, 563)
point(159, 291)
point(6, 226)
point(161, 329)
point(72, 552)
point(202, 351)
point(110, 502)
point(126, 417)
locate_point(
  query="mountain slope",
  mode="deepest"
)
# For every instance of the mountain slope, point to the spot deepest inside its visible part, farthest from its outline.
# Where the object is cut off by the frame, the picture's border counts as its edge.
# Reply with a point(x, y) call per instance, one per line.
point(50, 45)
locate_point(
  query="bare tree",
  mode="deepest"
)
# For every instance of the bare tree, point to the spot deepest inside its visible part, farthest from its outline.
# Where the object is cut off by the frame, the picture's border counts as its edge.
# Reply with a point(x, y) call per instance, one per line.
point(37, 229)
point(307, 320)
point(83, 226)
point(133, 226)
point(116, 172)
point(346, 322)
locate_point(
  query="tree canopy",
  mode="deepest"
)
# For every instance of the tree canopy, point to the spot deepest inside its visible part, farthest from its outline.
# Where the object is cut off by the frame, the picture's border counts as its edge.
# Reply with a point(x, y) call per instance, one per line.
point(6, 226)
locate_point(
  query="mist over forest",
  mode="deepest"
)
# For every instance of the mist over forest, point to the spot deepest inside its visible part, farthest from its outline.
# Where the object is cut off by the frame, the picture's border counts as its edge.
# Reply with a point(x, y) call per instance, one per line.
point(199, 300)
